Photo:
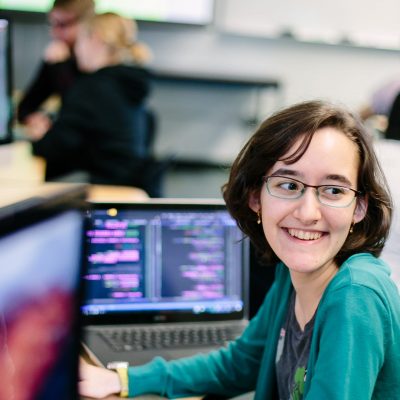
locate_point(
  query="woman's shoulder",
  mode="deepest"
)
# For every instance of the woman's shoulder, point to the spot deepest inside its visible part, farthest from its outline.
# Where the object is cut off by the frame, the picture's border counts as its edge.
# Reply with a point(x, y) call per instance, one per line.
point(362, 269)
point(360, 276)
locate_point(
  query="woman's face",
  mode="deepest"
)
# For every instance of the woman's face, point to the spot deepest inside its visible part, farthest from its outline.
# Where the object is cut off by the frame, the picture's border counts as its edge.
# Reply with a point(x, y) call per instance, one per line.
point(305, 234)
point(91, 52)
point(86, 48)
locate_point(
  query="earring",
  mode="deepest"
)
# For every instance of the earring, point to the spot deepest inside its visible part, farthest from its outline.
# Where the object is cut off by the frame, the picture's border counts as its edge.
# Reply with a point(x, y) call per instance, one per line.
point(351, 227)
point(258, 217)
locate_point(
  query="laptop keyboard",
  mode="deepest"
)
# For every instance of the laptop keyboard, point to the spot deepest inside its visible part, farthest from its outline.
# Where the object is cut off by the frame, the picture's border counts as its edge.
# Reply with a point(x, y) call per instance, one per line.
point(136, 339)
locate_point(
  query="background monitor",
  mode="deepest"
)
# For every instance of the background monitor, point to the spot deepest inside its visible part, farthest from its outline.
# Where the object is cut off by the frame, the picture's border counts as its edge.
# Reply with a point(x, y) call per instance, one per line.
point(5, 81)
point(193, 12)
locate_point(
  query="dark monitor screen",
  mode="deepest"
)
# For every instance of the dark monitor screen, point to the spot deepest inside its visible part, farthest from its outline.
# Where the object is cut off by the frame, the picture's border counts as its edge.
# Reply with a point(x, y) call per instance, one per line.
point(39, 277)
point(5, 81)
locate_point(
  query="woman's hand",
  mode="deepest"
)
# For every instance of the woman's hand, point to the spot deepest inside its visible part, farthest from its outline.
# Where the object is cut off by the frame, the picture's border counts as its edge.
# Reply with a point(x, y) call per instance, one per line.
point(97, 382)
point(56, 51)
point(36, 125)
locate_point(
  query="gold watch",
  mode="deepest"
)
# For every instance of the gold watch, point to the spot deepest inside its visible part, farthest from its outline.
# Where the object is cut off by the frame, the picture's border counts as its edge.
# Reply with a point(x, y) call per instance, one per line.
point(121, 368)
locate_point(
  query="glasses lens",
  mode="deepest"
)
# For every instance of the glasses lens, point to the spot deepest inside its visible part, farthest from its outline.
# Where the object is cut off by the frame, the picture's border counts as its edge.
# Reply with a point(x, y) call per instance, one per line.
point(335, 196)
point(59, 24)
point(284, 188)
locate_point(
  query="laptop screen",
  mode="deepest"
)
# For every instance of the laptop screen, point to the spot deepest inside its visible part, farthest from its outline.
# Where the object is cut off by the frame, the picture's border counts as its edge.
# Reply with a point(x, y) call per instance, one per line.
point(163, 261)
point(39, 278)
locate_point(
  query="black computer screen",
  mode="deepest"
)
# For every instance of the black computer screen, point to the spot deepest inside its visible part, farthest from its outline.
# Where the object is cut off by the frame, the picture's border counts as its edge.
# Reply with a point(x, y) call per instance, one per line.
point(39, 283)
point(5, 81)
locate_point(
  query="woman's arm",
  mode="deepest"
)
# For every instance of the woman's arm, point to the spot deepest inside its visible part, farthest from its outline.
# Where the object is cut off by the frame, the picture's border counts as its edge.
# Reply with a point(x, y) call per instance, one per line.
point(229, 371)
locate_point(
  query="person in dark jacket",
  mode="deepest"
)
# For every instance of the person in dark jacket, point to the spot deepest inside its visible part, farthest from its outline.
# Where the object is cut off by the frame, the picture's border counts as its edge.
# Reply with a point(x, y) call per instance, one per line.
point(393, 127)
point(58, 70)
point(101, 128)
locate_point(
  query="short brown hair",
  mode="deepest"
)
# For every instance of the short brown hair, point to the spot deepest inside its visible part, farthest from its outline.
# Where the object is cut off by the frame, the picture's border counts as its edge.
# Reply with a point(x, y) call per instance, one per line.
point(82, 8)
point(274, 138)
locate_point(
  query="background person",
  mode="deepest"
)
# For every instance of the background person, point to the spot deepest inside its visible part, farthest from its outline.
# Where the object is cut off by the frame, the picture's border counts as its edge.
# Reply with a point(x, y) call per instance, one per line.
point(101, 127)
point(309, 192)
point(59, 69)
point(393, 126)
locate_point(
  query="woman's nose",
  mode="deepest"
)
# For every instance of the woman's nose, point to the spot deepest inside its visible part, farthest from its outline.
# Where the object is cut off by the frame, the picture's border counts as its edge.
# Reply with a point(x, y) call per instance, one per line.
point(308, 207)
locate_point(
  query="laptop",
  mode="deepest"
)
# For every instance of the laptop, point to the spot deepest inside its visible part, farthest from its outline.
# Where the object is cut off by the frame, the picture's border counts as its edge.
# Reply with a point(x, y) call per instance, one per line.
point(40, 257)
point(163, 278)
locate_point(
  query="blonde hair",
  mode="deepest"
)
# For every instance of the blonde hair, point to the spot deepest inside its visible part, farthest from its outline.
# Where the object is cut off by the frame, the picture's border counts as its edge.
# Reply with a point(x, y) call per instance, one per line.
point(82, 8)
point(120, 34)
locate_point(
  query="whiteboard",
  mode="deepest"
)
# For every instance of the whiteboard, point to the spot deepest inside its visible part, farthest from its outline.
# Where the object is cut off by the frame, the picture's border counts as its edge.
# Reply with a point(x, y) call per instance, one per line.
point(364, 23)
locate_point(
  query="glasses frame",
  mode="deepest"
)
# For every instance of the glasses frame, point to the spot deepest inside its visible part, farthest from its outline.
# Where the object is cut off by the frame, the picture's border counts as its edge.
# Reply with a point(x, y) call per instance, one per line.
point(265, 178)
point(58, 24)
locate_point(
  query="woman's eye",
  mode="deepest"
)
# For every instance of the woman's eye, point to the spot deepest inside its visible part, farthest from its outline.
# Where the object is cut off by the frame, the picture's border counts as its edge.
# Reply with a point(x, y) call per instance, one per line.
point(289, 186)
point(334, 190)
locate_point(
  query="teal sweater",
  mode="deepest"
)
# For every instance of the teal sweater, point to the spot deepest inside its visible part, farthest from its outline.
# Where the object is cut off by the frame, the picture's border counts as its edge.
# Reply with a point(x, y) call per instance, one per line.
point(355, 349)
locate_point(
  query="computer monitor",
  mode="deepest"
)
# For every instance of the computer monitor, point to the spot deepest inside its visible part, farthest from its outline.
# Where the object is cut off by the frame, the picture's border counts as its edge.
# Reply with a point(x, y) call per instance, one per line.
point(40, 258)
point(5, 81)
point(191, 12)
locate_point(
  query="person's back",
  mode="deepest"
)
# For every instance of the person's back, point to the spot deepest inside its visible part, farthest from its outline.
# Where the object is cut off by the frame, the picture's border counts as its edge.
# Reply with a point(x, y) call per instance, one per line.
point(103, 117)
point(101, 128)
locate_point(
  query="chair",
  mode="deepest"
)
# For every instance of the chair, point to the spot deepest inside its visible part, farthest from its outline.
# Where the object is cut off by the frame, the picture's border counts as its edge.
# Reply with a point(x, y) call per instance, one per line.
point(149, 173)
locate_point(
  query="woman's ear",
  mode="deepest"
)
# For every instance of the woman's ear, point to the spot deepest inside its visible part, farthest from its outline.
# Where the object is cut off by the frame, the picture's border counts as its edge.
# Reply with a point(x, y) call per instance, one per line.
point(254, 201)
point(360, 210)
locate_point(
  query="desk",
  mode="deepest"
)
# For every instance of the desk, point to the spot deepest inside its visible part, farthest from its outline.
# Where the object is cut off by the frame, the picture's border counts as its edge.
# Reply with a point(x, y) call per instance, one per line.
point(21, 174)
point(17, 164)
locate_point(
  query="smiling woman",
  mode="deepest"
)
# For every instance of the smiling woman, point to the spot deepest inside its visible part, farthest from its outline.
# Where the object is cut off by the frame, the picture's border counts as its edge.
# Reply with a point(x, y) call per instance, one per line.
point(309, 192)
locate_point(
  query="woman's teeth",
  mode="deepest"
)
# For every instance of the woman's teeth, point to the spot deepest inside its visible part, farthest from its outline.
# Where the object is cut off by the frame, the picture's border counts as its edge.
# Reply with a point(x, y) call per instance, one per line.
point(304, 235)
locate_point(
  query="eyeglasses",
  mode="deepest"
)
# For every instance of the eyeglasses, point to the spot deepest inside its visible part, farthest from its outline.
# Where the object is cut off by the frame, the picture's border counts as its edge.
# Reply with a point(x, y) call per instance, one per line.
point(58, 24)
point(283, 187)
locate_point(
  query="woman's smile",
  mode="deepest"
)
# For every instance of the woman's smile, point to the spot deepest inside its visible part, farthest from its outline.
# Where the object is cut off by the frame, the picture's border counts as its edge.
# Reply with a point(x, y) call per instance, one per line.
point(304, 235)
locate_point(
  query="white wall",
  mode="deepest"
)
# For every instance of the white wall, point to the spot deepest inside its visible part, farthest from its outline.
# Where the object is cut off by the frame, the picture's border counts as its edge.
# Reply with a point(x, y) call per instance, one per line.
point(306, 70)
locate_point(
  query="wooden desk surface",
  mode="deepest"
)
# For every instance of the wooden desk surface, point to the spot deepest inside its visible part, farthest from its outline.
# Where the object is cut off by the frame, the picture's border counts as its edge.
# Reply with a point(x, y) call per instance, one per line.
point(21, 173)
point(17, 164)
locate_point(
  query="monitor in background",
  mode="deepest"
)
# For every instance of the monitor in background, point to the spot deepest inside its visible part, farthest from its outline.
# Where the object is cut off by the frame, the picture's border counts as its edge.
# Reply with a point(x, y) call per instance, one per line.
point(5, 81)
point(192, 12)
point(40, 258)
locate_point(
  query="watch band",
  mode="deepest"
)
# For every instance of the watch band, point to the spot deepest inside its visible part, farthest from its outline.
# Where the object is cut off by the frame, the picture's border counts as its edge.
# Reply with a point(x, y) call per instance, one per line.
point(121, 368)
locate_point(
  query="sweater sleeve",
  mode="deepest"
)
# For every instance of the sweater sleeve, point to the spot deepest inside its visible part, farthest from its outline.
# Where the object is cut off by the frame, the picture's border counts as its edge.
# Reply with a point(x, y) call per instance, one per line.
point(228, 371)
point(51, 79)
point(39, 90)
point(65, 138)
point(350, 345)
